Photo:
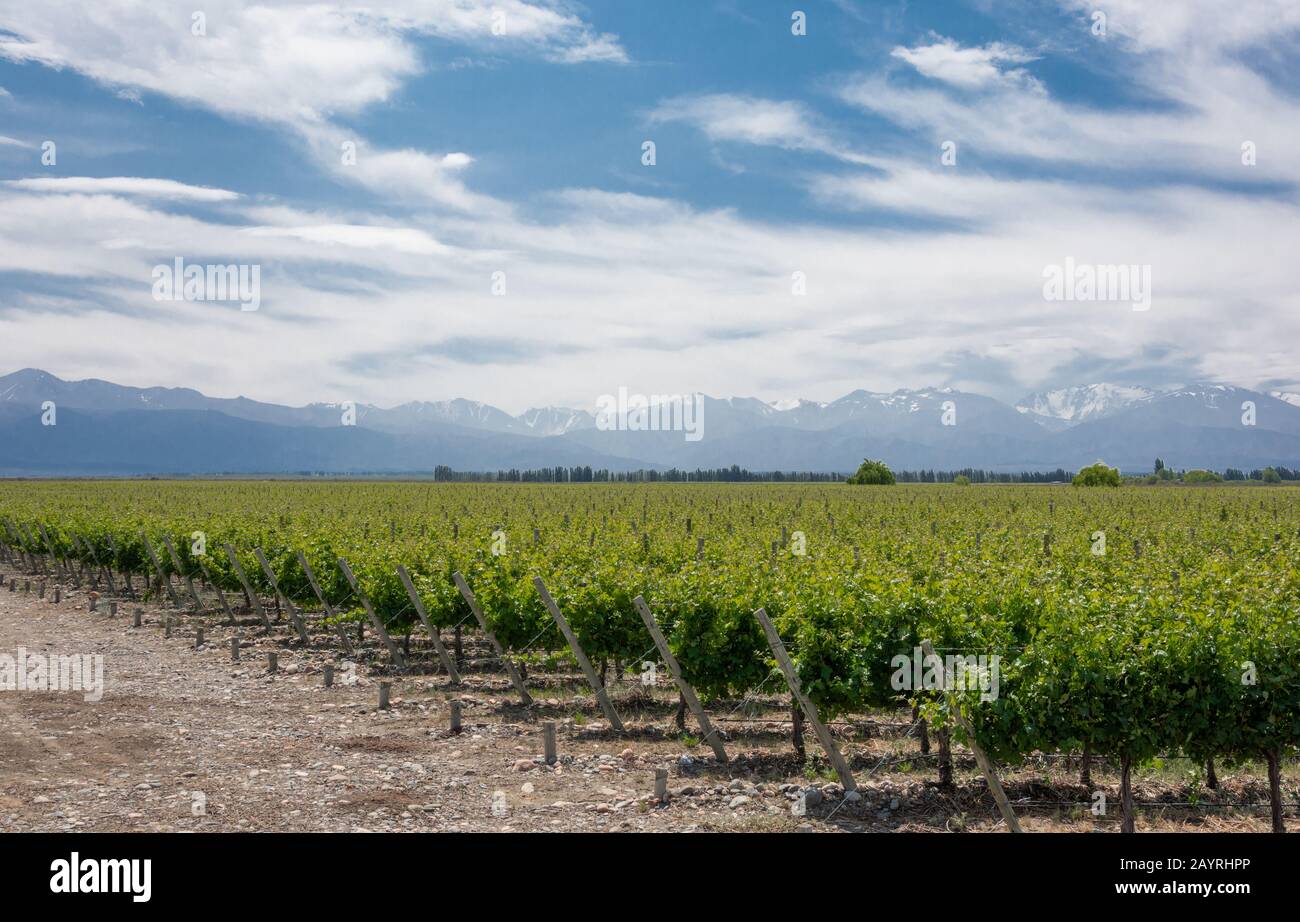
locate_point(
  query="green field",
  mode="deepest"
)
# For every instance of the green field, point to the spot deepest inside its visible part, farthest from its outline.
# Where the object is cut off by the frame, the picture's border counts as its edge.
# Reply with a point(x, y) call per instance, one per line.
point(1129, 622)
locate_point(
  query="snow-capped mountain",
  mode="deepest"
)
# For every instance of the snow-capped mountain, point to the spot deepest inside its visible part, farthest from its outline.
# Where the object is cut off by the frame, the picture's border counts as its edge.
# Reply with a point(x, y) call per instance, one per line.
point(1069, 406)
point(546, 421)
point(104, 428)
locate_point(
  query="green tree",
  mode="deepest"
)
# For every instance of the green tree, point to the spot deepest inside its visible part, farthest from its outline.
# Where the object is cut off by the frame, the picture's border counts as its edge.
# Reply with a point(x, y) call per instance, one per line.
point(1097, 475)
point(1271, 476)
point(873, 472)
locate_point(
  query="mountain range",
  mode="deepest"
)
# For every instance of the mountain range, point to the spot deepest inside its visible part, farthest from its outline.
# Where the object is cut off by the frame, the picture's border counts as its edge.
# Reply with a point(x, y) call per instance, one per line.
point(101, 428)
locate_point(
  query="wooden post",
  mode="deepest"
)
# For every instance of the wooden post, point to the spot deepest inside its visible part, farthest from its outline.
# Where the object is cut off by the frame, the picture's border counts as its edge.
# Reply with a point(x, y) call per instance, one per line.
point(130, 590)
point(225, 606)
point(139, 613)
point(294, 616)
point(176, 562)
point(328, 671)
point(198, 637)
point(443, 658)
point(378, 625)
point(661, 785)
point(455, 715)
point(692, 701)
point(515, 680)
point(40, 564)
point(325, 605)
point(592, 679)
point(548, 742)
point(49, 546)
point(162, 577)
point(234, 649)
point(384, 689)
point(248, 590)
point(809, 709)
point(990, 774)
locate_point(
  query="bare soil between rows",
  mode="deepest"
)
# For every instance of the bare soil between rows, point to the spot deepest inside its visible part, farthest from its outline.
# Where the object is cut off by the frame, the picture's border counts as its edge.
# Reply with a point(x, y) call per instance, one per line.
point(185, 739)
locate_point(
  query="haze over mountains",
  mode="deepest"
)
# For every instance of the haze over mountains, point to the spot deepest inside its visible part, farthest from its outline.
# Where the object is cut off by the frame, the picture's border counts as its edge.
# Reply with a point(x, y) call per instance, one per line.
point(108, 429)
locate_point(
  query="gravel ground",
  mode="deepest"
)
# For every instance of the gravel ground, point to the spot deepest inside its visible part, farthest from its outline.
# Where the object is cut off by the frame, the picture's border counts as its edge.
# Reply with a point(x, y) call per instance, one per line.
point(186, 739)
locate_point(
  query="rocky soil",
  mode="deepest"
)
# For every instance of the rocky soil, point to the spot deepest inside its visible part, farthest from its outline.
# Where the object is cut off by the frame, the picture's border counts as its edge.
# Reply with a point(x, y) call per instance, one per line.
point(184, 738)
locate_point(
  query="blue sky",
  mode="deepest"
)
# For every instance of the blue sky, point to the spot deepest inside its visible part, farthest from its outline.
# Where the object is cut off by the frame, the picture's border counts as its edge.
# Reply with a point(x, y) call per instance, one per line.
point(506, 137)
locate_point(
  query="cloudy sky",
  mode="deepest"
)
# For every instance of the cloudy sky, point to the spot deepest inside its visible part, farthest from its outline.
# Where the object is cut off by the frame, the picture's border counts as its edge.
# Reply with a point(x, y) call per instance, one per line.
point(500, 144)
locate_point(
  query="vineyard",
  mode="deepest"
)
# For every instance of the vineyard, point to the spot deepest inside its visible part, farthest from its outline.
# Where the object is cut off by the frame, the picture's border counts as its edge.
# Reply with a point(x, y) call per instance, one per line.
point(1119, 625)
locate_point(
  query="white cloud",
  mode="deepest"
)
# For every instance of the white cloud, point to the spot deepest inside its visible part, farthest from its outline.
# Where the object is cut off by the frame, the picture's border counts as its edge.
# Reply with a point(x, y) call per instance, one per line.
point(1188, 25)
point(12, 142)
point(965, 67)
point(299, 63)
point(364, 236)
point(653, 292)
point(751, 120)
point(124, 185)
point(295, 61)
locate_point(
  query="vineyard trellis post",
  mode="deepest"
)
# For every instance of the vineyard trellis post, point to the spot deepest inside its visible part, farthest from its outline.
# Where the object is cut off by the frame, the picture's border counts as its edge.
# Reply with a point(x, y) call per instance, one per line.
point(162, 577)
point(515, 679)
point(176, 562)
point(130, 590)
point(810, 710)
point(990, 773)
point(443, 657)
point(108, 571)
point(221, 596)
point(49, 544)
point(40, 564)
point(328, 608)
point(294, 615)
point(394, 653)
point(592, 679)
point(254, 602)
point(692, 700)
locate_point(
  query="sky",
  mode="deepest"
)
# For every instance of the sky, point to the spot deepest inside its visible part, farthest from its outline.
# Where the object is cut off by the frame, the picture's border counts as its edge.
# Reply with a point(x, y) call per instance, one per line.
point(453, 198)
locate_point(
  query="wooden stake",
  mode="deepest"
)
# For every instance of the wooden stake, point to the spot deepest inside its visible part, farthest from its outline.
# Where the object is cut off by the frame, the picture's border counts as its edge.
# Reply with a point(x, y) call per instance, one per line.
point(548, 742)
point(393, 652)
point(176, 562)
point(447, 664)
point(253, 600)
point(162, 577)
point(692, 701)
point(810, 710)
point(990, 773)
point(592, 679)
point(294, 615)
point(329, 609)
point(515, 680)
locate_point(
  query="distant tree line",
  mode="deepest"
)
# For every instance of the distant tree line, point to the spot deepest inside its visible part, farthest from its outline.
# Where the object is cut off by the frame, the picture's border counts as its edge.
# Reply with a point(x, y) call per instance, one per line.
point(733, 474)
